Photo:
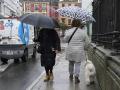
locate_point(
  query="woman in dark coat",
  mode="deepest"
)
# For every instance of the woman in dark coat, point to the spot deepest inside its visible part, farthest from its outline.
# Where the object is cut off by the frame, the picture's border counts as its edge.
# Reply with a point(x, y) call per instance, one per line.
point(49, 46)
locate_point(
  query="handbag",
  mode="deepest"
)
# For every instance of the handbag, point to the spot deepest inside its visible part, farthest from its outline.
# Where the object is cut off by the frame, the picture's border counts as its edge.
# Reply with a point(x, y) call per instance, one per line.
point(40, 49)
point(72, 35)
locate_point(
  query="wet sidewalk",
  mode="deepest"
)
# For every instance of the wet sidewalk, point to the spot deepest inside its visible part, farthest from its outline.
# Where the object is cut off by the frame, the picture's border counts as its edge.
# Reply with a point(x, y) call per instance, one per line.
point(61, 79)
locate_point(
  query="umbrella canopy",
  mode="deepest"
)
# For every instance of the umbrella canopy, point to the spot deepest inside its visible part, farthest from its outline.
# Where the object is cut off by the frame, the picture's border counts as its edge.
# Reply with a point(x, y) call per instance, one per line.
point(39, 20)
point(76, 12)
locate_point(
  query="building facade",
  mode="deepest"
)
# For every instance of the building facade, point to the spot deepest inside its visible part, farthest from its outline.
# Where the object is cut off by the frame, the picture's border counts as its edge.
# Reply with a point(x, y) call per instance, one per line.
point(65, 20)
point(36, 7)
point(46, 7)
point(1, 5)
point(10, 8)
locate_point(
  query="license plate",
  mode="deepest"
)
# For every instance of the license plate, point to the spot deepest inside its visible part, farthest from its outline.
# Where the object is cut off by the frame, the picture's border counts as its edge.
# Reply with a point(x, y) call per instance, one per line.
point(9, 52)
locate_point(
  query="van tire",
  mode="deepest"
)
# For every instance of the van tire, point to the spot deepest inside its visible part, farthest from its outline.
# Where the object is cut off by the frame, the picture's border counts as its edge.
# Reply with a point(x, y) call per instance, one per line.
point(4, 60)
point(34, 53)
point(16, 60)
point(25, 56)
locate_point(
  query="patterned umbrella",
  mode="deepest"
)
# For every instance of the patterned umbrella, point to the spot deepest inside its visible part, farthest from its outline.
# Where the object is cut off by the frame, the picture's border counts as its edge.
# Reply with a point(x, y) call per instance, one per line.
point(76, 12)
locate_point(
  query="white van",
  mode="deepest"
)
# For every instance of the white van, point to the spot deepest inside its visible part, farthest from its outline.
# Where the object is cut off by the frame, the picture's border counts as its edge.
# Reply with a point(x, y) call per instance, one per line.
point(16, 40)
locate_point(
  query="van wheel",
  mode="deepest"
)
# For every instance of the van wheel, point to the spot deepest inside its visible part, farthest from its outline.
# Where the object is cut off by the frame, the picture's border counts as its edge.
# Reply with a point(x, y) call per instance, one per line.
point(16, 60)
point(25, 56)
point(34, 53)
point(4, 61)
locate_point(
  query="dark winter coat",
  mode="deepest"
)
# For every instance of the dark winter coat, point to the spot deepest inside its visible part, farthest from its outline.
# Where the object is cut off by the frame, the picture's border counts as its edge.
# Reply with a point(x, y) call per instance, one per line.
point(48, 40)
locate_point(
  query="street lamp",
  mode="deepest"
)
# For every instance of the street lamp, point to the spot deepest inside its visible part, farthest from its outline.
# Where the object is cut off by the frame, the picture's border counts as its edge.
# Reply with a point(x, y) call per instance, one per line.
point(50, 7)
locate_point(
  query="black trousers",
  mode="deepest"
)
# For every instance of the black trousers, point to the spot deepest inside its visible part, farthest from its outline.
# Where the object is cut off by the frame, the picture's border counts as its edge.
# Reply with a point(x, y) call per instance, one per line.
point(48, 69)
point(48, 61)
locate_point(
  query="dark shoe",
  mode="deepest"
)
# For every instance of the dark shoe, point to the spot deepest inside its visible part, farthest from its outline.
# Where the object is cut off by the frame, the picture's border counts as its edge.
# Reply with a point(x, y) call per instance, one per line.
point(71, 77)
point(77, 80)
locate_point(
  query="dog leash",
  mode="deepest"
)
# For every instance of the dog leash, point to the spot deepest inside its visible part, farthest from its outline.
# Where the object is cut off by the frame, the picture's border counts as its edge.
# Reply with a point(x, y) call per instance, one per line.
point(86, 56)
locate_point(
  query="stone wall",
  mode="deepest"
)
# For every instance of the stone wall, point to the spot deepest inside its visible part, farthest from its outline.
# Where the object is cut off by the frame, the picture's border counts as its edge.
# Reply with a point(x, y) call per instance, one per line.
point(107, 67)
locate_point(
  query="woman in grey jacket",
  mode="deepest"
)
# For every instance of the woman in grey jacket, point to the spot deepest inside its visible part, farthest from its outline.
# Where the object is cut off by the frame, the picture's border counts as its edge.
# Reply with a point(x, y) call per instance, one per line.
point(75, 51)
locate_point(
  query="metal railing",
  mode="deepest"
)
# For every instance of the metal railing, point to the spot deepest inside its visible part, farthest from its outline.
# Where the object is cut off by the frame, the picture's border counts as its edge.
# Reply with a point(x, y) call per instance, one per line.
point(110, 40)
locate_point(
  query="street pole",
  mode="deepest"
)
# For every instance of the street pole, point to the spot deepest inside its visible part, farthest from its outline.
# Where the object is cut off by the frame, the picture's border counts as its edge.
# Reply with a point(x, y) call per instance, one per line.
point(50, 7)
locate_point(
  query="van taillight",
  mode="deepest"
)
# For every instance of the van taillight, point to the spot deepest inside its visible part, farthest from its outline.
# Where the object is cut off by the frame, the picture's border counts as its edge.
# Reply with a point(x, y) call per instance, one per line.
point(20, 46)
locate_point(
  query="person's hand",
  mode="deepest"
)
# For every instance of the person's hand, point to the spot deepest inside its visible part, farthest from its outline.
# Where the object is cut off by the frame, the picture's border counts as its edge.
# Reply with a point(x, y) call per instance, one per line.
point(53, 49)
point(56, 51)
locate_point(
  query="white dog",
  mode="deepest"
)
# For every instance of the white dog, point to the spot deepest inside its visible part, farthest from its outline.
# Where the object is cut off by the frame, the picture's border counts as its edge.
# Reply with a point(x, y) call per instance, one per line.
point(90, 72)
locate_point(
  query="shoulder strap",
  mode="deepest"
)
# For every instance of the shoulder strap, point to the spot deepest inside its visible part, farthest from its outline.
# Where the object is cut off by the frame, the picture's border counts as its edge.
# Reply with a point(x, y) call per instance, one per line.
point(72, 35)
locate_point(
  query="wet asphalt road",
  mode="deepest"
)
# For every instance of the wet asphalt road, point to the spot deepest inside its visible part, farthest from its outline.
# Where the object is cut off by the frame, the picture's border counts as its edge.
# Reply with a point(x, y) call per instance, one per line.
point(20, 76)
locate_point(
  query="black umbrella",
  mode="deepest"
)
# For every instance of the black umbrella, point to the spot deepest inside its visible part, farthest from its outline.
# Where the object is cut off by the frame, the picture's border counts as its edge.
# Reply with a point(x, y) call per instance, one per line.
point(39, 20)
